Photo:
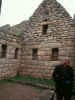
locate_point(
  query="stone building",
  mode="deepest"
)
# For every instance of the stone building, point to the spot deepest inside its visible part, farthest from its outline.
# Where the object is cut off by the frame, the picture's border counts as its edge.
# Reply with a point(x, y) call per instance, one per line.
point(35, 46)
point(10, 50)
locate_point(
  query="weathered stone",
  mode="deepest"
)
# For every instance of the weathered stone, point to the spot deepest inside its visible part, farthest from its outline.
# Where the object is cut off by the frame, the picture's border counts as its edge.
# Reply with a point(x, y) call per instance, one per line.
point(29, 34)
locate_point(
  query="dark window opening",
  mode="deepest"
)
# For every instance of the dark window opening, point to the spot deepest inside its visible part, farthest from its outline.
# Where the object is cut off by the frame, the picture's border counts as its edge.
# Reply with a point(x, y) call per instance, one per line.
point(45, 20)
point(4, 49)
point(55, 54)
point(16, 53)
point(45, 27)
point(34, 53)
point(46, 12)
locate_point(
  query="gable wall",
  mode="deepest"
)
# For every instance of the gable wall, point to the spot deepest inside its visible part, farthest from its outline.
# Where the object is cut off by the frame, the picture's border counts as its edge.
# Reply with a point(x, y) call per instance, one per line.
point(60, 34)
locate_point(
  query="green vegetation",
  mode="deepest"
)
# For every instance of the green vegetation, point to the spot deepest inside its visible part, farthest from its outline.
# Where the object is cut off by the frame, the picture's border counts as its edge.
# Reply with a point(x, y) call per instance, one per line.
point(18, 33)
point(28, 80)
point(33, 80)
point(3, 81)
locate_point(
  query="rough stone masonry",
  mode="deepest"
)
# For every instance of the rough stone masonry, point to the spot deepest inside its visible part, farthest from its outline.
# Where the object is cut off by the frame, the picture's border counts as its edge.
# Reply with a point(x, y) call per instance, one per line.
point(35, 46)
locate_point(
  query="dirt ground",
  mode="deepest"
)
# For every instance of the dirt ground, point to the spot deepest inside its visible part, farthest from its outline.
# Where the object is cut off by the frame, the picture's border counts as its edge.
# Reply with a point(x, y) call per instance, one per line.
point(11, 91)
point(18, 92)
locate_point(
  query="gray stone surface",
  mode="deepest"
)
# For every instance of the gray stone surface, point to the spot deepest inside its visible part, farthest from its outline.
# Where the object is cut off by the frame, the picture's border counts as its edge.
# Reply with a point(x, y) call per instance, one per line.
point(28, 35)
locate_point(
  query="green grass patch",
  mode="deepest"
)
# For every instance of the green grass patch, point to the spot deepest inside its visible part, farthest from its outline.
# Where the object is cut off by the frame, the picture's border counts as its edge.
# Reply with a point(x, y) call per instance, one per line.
point(18, 33)
point(4, 81)
point(35, 80)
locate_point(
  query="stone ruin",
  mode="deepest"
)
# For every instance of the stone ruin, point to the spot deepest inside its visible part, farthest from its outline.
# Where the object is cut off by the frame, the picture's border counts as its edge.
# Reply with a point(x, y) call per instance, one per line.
point(35, 46)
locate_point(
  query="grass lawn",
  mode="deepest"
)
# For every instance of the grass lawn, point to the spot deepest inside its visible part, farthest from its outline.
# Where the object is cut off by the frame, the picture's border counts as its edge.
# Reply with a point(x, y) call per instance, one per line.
point(34, 80)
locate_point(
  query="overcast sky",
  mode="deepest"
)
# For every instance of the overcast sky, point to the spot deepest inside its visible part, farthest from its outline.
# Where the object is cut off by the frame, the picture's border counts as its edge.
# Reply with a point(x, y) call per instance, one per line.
point(15, 11)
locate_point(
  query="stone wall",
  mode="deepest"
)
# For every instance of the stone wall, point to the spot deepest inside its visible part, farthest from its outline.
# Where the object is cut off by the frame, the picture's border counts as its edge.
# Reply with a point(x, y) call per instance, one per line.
point(9, 65)
point(28, 36)
point(60, 34)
